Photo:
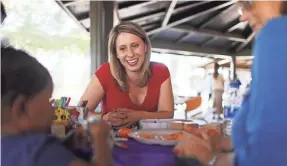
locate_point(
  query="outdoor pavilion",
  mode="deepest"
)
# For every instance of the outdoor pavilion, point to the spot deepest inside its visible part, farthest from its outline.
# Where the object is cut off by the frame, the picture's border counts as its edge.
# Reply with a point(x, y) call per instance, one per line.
point(186, 28)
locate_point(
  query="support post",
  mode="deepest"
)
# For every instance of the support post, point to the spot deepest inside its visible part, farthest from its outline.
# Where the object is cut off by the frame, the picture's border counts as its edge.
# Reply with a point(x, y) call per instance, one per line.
point(102, 17)
point(232, 67)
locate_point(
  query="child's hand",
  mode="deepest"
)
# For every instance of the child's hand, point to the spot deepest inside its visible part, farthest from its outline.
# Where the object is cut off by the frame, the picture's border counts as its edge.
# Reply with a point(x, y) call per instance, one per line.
point(196, 147)
point(100, 130)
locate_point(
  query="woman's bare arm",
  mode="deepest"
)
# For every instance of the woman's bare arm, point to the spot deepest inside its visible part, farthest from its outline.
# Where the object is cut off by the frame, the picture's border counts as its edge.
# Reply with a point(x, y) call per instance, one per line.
point(165, 103)
point(93, 93)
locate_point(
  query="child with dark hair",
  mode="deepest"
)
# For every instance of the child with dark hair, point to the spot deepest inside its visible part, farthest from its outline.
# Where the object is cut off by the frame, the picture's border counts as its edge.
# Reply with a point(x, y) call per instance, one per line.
point(26, 115)
point(3, 12)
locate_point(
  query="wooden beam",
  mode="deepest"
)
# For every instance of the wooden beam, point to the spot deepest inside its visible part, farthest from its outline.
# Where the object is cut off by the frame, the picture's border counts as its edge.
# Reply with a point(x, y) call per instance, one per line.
point(246, 42)
point(83, 16)
point(210, 20)
point(210, 33)
point(224, 12)
point(71, 15)
point(236, 26)
point(190, 6)
point(181, 37)
point(169, 13)
point(140, 5)
point(75, 2)
point(186, 19)
point(150, 26)
point(183, 48)
point(159, 14)
point(162, 14)
point(208, 41)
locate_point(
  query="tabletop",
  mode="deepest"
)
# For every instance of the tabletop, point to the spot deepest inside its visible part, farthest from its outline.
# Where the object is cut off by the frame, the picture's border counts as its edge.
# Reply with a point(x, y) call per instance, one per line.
point(139, 154)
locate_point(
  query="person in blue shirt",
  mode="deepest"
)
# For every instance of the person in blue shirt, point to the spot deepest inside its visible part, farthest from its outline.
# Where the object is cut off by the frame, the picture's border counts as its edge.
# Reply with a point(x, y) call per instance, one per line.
point(27, 115)
point(235, 82)
point(259, 131)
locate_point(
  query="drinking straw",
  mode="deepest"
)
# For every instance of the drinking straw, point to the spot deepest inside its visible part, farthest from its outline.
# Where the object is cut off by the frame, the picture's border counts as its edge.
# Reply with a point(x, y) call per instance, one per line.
point(84, 103)
point(68, 101)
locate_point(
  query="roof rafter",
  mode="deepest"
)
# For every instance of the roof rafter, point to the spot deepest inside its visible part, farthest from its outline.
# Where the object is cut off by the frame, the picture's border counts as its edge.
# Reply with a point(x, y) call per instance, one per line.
point(246, 42)
point(169, 13)
point(183, 20)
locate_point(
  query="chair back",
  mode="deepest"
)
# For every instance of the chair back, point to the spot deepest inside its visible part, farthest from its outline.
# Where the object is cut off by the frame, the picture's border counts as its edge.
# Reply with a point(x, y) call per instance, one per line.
point(193, 103)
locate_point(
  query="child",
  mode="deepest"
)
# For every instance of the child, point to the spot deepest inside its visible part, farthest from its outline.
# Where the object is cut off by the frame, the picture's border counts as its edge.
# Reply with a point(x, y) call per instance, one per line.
point(26, 115)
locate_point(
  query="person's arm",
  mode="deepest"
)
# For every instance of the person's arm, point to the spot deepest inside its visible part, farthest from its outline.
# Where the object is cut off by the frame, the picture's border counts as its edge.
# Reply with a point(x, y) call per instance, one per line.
point(93, 93)
point(267, 121)
point(165, 108)
point(102, 152)
point(165, 103)
point(54, 153)
point(224, 159)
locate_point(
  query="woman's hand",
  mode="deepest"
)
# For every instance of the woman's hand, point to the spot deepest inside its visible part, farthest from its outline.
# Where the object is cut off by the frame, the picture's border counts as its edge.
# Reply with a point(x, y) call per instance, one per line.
point(196, 147)
point(116, 118)
point(132, 116)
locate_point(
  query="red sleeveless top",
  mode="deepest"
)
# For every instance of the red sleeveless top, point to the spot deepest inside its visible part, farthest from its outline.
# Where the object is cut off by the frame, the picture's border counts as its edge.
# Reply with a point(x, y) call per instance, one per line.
point(115, 98)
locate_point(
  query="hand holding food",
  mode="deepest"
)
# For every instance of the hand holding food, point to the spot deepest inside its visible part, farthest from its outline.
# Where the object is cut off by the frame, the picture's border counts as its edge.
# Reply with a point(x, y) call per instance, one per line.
point(214, 136)
point(196, 147)
point(99, 129)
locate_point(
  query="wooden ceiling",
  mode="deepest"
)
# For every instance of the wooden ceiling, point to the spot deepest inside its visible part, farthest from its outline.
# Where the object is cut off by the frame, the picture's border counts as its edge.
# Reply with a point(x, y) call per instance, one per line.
point(197, 28)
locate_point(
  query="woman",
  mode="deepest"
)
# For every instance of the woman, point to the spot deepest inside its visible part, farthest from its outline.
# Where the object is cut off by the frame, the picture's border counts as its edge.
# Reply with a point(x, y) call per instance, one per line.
point(27, 115)
point(130, 87)
point(218, 89)
point(260, 128)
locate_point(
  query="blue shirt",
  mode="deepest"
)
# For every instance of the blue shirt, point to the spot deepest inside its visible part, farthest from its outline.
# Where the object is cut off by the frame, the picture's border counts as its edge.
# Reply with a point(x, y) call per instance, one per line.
point(235, 84)
point(34, 150)
point(260, 128)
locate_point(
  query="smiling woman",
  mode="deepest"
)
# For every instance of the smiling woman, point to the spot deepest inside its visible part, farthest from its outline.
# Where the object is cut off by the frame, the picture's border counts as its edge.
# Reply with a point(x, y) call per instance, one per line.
point(130, 87)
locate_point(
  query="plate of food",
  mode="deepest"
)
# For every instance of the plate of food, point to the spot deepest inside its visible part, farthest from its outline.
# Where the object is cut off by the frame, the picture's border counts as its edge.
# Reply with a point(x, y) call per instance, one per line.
point(159, 137)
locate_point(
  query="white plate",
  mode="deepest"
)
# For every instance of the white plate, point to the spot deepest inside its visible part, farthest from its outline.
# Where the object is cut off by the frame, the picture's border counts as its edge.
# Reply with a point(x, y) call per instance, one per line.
point(158, 136)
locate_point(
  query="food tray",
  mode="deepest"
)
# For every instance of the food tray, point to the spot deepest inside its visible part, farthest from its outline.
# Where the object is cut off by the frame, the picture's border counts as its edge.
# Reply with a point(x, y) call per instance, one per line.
point(159, 137)
point(159, 123)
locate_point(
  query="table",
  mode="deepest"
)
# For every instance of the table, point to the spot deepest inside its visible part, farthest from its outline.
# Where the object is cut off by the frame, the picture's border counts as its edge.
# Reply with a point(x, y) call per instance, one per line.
point(139, 154)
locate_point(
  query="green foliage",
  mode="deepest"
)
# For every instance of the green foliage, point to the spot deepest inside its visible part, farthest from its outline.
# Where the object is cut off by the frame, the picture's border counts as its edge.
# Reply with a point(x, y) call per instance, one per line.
point(42, 24)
